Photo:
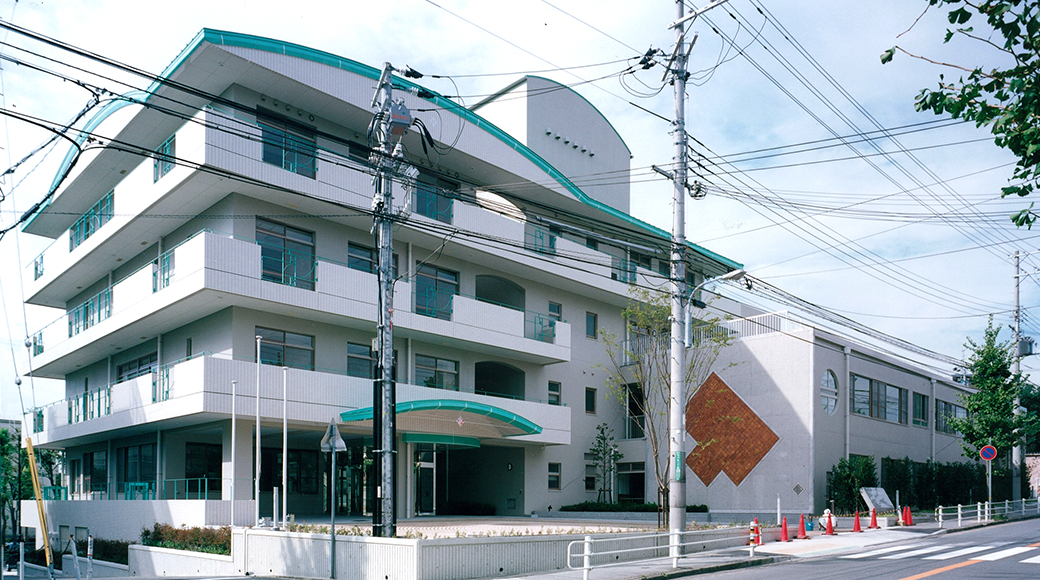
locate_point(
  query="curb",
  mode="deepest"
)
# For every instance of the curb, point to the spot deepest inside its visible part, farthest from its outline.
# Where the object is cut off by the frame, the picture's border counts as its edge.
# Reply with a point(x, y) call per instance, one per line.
point(758, 561)
point(976, 525)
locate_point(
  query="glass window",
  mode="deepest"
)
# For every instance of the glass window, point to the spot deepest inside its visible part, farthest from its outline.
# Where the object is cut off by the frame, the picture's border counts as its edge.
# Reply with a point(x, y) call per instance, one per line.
point(555, 390)
point(631, 478)
point(556, 311)
point(165, 157)
point(136, 368)
point(640, 259)
point(591, 325)
point(437, 372)
point(944, 412)
point(634, 424)
point(435, 288)
point(287, 144)
point(591, 243)
point(829, 391)
point(203, 461)
point(366, 259)
point(920, 410)
point(590, 478)
point(91, 221)
point(286, 254)
point(555, 475)
point(361, 361)
point(281, 348)
point(302, 470)
point(433, 197)
point(590, 400)
point(136, 463)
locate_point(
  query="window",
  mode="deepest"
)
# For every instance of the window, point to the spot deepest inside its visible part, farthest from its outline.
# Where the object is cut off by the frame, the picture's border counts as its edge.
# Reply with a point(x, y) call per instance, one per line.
point(622, 270)
point(362, 360)
point(434, 196)
point(136, 368)
point(436, 372)
point(95, 471)
point(829, 391)
point(554, 392)
point(302, 470)
point(556, 311)
point(98, 215)
point(920, 410)
point(944, 412)
point(164, 160)
point(434, 290)
point(879, 400)
point(555, 475)
point(281, 348)
point(203, 461)
point(590, 478)
point(634, 421)
point(590, 400)
point(366, 259)
point(92, 311)
point(631, 478)
point(645, 261)
point(287, 144)
point(591, 325)
point(286, 254)
point(664, 268)
point(136, 463)
point(591, 243)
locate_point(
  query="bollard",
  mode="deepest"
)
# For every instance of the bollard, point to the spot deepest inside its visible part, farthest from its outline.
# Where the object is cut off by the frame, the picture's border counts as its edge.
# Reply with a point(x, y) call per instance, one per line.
point(75, 556)
point(939, 515)
point(586, 562)
point(978, 511)
point(90, 557)
point(960, 514)
point(752, 540)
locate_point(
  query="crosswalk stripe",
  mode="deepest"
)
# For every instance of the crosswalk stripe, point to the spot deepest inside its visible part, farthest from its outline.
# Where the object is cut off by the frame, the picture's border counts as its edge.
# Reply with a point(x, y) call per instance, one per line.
point(1003, 554)
point(1033, 560)
point(961, 552)
point(913, 553)
point(881, 551)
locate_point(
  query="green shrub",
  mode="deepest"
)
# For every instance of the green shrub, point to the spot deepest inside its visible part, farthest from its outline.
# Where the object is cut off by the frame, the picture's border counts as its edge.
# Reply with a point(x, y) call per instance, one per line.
point(845, 479)
point(697, 509)
point(209, 540)
point(116, 551)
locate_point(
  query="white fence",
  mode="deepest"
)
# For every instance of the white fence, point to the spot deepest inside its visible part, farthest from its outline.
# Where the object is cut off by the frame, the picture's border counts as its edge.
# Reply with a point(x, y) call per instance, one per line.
point(986, 511)
point(589, 553)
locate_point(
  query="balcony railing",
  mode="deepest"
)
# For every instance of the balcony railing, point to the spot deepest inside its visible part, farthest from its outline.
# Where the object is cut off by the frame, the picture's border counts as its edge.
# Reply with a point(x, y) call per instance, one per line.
point(90, 312)
point(541, 327)
point(539, 239)
point(38, 267)
point(433, 302)
point(622, 270)
point(287, 267)
point(90, 405)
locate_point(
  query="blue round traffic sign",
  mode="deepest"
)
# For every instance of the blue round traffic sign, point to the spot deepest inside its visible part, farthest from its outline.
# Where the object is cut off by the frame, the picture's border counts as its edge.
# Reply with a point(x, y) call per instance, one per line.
point(988, 452)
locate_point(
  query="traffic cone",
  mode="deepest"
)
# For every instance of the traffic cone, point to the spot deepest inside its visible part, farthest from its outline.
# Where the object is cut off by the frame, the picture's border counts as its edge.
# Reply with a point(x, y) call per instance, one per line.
point(909, 516)
point(873, 520)
point(830, 526)
point(758, 533)
point(855, 523)
point(783, 531)
point(801, 528)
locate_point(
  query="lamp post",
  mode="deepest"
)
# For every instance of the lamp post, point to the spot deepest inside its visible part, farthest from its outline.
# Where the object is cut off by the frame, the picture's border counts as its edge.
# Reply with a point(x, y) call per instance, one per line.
point(256, 481)
point(732, 276)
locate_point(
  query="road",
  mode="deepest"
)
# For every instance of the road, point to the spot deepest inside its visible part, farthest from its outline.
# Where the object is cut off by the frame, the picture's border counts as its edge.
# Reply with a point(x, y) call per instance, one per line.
point(1006, 551)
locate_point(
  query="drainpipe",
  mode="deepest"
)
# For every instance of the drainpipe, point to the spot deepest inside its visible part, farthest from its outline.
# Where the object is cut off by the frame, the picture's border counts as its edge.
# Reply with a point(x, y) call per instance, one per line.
point(848, 399)
point(931, 423)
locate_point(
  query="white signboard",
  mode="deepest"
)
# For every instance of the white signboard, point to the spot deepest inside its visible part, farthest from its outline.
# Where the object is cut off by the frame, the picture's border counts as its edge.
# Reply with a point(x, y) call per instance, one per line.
point(877, 498)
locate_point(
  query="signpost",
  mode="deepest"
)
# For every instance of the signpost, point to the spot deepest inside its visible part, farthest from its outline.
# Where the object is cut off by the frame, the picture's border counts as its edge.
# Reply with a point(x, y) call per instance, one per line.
point(988, 453)
point(333, 443)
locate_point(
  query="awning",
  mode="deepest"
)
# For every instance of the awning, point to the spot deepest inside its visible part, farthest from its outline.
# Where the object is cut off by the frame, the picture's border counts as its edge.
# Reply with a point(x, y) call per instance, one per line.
point(450, 417)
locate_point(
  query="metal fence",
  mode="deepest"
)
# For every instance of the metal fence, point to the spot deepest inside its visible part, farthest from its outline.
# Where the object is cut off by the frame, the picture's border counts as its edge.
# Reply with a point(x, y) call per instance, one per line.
point(986, 511)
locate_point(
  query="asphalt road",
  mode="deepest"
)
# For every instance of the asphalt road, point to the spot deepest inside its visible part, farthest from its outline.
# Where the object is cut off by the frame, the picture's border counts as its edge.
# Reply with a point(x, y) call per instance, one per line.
point(1006, 551)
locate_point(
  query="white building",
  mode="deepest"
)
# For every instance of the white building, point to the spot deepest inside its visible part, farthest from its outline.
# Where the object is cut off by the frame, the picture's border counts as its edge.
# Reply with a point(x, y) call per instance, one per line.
point(235, 202)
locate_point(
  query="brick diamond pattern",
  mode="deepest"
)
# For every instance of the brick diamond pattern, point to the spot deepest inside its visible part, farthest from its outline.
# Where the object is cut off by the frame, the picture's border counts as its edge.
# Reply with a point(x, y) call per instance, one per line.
point(730, 437)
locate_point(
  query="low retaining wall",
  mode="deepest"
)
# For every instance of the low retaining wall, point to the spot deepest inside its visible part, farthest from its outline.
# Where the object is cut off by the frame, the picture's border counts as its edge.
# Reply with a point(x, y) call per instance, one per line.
point(271, 553)
point(100, 569)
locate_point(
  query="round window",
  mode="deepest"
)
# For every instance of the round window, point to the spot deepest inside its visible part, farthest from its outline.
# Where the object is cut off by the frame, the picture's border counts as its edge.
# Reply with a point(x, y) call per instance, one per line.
point(829, 391)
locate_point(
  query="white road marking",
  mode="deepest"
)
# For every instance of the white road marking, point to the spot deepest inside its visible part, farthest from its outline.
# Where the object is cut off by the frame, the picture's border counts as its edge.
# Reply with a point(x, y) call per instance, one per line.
point(881, 551)
point(961, 552)
point(1003, 554)
point(913, 553)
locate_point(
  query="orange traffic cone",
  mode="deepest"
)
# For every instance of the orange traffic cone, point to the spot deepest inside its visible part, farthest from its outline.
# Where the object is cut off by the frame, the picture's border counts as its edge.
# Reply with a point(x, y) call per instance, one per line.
point(758, 533)
point(855, 523)
point(801, 528)
point(909, 516)
point(783, 531)
point(830, 526)
point(873, 520)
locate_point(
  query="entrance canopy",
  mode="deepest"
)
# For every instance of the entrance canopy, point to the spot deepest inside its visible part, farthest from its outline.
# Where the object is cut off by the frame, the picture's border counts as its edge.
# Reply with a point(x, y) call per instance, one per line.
point(451, 417)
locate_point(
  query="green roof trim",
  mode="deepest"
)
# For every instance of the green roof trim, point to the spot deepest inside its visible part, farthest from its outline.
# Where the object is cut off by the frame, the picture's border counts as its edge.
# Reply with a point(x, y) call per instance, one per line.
point(236, 39)
point(453, 440)
point(454, 405)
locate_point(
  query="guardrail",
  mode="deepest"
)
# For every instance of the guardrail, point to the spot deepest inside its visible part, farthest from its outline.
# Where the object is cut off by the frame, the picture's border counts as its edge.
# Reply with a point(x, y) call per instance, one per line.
point(661, 547)
point(986, 511)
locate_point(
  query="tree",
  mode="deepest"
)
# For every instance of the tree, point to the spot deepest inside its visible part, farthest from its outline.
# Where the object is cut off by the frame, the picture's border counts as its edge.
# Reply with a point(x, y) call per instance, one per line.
point(1004, 98)
point(991, 419)
point(605, 452)
point(639, 373)
point(846, 477)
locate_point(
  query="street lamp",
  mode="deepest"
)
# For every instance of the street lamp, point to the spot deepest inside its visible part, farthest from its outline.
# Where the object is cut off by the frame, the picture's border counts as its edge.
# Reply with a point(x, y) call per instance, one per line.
point(731, 275)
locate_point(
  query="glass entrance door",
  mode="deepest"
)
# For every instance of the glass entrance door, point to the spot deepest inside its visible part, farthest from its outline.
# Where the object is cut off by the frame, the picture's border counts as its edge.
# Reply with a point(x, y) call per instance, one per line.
point(425, 480)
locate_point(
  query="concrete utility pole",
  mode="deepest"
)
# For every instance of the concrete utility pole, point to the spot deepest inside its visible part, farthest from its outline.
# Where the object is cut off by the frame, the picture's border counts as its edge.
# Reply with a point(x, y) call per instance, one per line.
point(1016, 451)
point(391, 119)
point(677, 351)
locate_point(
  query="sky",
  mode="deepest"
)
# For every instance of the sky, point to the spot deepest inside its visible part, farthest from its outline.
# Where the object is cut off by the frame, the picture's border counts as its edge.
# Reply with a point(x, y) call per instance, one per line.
point(915, 243)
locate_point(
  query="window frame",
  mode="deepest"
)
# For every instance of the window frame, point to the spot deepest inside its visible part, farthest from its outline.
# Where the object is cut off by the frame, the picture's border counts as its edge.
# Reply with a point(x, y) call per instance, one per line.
point(555, 395)
point(301, 244)
point(438, 282)
point(280, 135)
point(555, 476)
point(590, 391)
point(437, 372)
point(591, 323)
point(272, 344)
point(920, 410)
point(165, 158)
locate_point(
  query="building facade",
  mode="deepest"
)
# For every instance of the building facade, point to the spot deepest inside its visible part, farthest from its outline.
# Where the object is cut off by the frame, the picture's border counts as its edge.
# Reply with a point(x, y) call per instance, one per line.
point(215, 264)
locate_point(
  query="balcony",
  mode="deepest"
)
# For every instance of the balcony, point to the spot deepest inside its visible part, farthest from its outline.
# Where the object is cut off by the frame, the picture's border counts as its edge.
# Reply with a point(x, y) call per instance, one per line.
point(201, 387)
point(217, 271)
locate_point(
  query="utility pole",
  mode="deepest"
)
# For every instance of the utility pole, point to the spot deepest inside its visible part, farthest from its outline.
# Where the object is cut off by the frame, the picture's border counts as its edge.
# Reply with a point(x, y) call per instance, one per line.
point(677, 351)
point(1016, 451)
point(391, 119)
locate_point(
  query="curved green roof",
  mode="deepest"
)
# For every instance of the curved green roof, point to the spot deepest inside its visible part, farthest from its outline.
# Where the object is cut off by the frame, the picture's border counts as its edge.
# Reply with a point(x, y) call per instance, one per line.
point(225, 38)
point(454, 405)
